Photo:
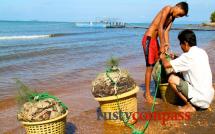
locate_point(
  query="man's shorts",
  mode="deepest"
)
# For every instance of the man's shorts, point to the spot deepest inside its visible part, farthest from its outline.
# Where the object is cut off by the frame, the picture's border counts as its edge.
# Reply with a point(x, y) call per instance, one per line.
point(183, 87)
point(151, 50)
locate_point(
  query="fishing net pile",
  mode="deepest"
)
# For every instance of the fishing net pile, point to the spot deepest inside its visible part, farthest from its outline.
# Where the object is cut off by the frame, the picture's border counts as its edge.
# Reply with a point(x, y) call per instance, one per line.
point(114, 81)
point(38, 106)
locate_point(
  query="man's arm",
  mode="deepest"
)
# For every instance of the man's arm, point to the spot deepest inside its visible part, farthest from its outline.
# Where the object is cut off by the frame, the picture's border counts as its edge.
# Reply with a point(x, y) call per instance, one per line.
point(163, 18)
point(180, 64)
point(165, 62)
point(166, 36)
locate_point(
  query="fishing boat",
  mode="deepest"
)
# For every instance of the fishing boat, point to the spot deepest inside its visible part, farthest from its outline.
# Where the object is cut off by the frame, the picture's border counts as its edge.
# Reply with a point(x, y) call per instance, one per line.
point(90, 24)
point(101, 24)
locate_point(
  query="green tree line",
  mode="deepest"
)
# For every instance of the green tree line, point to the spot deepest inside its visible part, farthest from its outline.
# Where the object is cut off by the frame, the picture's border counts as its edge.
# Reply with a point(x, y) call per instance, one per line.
point(213, 17)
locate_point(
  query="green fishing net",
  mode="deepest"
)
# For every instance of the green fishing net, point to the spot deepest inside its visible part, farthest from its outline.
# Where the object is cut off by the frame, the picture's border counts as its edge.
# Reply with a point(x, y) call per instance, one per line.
point(34, 106)
point(164, 72)
point(25, 94)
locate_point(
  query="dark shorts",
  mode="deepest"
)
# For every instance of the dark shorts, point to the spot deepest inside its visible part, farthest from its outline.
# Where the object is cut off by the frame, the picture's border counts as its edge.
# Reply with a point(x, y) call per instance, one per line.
point(183, 87)
point(151, 50)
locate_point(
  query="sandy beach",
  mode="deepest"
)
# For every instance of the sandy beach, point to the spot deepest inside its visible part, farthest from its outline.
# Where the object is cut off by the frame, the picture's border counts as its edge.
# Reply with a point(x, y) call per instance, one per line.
point(75, 90)
point(58, 48)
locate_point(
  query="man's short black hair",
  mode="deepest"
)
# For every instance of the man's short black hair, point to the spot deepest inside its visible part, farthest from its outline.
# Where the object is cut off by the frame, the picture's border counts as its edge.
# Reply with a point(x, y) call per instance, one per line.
point(183, 6)
point(188, 36)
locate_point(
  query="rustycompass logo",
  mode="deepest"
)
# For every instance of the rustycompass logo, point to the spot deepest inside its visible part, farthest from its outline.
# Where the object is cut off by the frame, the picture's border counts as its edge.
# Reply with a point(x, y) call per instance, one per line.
point(162, 117)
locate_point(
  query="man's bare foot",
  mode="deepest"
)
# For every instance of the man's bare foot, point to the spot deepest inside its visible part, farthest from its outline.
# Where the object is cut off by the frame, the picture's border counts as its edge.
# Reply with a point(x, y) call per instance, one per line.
point(148, 98)
point(187, 108)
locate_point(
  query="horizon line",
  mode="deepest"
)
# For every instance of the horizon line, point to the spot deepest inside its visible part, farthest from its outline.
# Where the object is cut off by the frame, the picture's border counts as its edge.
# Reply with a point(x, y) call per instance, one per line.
point(194, 22)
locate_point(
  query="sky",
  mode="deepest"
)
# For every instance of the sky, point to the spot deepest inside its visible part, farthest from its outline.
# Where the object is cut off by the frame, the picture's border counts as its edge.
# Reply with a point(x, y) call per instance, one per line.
point(142, 11)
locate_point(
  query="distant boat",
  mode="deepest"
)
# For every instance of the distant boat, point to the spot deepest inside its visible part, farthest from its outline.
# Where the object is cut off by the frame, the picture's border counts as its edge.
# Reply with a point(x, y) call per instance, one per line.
point(101, 24)
point(90, 24)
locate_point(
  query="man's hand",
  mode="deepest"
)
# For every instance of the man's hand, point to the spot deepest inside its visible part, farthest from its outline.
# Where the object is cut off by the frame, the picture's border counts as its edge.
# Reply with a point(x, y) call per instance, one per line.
point(162, 56)
point(164, 48)
point(172, 55)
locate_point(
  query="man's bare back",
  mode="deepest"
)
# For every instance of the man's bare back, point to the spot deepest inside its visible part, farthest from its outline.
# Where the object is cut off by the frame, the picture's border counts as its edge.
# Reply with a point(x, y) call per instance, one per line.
point(156, 23)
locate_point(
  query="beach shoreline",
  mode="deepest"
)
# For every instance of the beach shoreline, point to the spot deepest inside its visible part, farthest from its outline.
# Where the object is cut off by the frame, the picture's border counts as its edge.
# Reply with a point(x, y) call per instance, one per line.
point(211, 24)
point(76, 93)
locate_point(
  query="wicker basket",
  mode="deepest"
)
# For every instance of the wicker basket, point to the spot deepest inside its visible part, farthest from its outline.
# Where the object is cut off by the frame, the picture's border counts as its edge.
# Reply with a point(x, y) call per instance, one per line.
point(53, 126)
point(127, 102)
point(163, 88)
point(168, 95)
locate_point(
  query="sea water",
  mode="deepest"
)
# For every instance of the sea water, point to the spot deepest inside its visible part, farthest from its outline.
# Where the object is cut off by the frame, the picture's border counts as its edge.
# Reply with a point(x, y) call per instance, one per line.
point(39, 50)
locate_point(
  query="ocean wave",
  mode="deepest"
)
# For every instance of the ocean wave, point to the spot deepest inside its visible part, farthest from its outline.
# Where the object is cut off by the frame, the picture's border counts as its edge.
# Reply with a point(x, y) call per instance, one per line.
point(30, 54)
point(26, 37)
point(23, 37)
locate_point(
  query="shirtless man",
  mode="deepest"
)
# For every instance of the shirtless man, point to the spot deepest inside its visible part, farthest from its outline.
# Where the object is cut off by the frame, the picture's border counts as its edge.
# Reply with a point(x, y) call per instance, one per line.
point(159, 27)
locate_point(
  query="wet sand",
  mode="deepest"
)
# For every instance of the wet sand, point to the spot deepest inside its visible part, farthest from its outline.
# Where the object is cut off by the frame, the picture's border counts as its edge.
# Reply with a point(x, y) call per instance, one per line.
point(75, 90)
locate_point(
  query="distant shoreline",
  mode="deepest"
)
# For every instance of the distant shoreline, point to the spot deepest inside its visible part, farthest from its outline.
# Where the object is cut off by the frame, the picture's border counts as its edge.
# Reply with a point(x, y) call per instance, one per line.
point(46, 21)
point(174, 28)
point(212, 24)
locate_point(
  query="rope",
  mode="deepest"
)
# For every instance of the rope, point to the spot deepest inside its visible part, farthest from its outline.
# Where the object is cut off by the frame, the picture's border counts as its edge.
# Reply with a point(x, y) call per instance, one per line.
point(131, 126)
point(27, 95)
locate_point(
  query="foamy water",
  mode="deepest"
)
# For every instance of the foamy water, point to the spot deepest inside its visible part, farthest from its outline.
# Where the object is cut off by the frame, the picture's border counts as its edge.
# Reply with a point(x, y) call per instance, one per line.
point(41, 51)
point(23, 37)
